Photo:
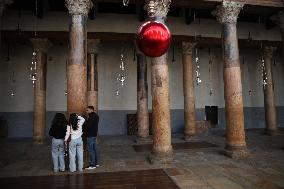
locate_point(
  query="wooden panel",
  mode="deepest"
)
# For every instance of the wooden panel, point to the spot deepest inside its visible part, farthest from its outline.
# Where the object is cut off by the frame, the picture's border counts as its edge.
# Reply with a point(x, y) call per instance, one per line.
point(150, 179)
point(3, 128)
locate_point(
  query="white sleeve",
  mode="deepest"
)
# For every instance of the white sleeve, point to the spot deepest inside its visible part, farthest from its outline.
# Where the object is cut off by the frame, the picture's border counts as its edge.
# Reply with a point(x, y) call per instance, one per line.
point(67, 133)
point(81, 121)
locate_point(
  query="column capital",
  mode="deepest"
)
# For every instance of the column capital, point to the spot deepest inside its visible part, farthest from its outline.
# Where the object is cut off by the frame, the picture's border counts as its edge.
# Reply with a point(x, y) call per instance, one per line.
point(157, 8)
point(268, 51)
point(281, 19)
point(3, 4)
point(93, 46)
point(78, 7)
point(187, 47)
point(278, 19)
point(228, 11)
point(41, 44)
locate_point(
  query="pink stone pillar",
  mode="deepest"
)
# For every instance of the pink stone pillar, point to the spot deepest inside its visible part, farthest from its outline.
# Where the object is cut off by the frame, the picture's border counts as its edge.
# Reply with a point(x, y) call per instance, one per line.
point(39, 118)
point(162, 150)
point(77, 72)
point(92, 73)
point(188, 91)
point(142, 99)
point(268, 90)
point(227, 14)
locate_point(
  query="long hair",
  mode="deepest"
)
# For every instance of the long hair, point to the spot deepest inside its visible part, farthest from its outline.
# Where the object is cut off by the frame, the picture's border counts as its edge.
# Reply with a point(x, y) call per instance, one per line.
point(59, 120)
point(73, 121)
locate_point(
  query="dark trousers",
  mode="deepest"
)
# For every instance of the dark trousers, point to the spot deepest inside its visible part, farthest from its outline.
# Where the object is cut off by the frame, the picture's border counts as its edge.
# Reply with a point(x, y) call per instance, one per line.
point(93, 151)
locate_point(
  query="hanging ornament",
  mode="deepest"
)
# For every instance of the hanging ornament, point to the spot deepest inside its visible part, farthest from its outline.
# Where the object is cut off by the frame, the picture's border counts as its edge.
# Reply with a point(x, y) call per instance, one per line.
point(34, 55)
point(65, 80)
point(125, 3)
point(12, 78)
point(153, 38)
point(33, 68)
point(8, 53)
point(198, 80)
point(274, 62)
point(173, 59)
point(121, 78)
point(134, 54)
point(13, 84)
point(249, 37)
point(210, 72)
point(264, 75)
point(116, 93)
point(250, 92)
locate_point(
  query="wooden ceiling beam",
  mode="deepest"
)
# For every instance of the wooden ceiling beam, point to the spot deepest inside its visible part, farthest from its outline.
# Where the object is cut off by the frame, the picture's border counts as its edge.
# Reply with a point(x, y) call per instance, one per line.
point(268, 3)
point(63, 36)
point(206, 3)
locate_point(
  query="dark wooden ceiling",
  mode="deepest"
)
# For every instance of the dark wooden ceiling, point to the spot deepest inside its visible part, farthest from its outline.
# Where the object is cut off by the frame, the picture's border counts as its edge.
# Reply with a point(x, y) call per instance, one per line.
point(187, 9)
point(180, 8)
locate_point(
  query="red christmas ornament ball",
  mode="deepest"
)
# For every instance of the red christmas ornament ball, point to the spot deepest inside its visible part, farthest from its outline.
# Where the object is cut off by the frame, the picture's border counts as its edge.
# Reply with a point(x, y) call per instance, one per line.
point(153, 38)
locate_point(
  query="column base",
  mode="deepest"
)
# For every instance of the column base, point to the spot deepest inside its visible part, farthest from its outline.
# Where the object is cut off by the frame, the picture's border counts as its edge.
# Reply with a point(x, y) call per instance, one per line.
point(236, 152)
point(271, 132)
point(39, 141)
point(143, 140)
point(161, 158)
point(189, 138)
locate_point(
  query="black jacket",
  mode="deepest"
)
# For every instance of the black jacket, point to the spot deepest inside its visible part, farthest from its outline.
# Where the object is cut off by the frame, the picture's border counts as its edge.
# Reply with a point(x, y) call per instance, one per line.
point(91, 125)
point(58, 131)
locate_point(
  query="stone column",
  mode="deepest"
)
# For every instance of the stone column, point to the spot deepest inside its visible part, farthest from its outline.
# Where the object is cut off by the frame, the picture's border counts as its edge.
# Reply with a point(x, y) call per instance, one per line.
point(188, 90)
point(161, 118)
point(142, 99)
point(268, 90)
point(92, 73)
point(77, 71)
point(227, 14)
point(40, 46)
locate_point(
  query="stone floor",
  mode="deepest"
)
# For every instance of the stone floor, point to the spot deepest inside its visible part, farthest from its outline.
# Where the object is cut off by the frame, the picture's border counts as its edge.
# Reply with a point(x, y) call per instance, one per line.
point(202, 168)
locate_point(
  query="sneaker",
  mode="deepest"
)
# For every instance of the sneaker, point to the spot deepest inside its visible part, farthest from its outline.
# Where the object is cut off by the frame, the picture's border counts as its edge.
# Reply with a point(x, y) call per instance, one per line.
point(97, 165)
point(90, 167)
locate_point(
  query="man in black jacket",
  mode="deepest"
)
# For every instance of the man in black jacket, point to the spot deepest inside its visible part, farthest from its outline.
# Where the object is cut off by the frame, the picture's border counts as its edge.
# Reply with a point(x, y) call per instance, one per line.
point(91, 131)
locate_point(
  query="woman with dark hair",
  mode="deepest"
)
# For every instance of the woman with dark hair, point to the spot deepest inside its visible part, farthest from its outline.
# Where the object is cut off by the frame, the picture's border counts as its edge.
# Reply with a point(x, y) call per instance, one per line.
point(58, 131)
point(76, 144)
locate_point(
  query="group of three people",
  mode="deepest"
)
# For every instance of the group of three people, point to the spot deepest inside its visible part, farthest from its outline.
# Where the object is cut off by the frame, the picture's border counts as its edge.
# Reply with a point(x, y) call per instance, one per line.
point(71, 131)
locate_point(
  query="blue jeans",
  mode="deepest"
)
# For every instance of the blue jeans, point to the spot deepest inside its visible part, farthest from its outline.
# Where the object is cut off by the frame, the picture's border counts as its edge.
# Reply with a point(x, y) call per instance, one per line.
point(93, 151)
point(57, 152)
point(76, 148)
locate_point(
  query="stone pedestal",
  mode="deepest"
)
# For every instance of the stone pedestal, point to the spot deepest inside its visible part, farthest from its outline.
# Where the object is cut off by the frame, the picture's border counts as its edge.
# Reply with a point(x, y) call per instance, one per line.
point(268, 90)
point(39, 118)
point(77, 72)
point(227, 14)
point(188, 91)
point(92, 73)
